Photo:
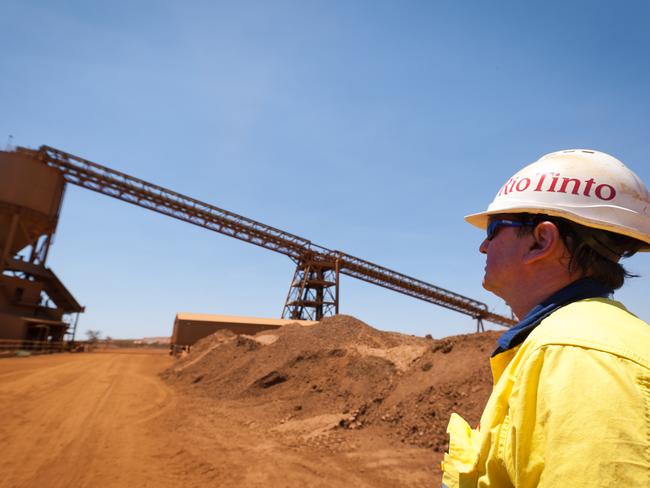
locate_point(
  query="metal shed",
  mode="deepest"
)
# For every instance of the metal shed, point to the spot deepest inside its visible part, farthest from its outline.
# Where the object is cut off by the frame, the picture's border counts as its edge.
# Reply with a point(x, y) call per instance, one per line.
point(190, 327)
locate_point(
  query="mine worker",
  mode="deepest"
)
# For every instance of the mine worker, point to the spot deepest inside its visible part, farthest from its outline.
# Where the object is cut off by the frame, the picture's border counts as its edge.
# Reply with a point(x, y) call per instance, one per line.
point(570, 406)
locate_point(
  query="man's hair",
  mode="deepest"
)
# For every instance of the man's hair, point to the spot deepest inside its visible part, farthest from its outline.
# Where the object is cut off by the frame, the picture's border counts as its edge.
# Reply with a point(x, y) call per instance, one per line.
point(594, 252)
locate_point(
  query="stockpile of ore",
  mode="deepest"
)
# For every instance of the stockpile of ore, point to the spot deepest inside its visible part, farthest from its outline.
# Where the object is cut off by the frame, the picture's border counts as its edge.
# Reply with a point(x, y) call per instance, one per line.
point(402, 386)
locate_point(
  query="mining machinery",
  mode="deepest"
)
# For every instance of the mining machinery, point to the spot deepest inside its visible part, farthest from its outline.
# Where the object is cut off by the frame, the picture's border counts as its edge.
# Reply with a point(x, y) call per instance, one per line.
point(314, 289)
point(35, 306)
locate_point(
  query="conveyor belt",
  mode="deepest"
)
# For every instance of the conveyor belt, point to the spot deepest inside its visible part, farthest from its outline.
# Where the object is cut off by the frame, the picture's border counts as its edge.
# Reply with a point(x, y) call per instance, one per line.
point(102, 179)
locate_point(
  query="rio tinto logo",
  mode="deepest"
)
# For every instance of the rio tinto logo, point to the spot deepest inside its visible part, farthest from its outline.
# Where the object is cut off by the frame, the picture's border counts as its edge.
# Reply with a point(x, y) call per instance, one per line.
point(555, 182)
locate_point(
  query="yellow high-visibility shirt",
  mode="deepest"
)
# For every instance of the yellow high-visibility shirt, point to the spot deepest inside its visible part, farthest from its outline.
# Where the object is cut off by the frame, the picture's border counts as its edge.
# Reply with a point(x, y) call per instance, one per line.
point(570, 407)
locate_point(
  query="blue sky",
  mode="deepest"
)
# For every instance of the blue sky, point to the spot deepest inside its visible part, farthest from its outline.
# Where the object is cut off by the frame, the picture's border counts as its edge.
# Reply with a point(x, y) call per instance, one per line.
point(368, 127)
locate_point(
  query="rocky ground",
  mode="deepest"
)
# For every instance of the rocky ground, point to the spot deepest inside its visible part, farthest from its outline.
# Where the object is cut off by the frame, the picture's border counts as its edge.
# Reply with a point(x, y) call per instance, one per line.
point(343, 375)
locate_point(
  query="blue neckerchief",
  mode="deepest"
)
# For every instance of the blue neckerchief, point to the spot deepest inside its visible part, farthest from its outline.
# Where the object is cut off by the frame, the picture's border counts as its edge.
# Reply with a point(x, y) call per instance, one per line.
point(578, 290)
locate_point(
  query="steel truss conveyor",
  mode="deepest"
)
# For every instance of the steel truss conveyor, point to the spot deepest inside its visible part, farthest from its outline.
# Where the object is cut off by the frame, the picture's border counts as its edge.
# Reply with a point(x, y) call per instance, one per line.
point(314, 290)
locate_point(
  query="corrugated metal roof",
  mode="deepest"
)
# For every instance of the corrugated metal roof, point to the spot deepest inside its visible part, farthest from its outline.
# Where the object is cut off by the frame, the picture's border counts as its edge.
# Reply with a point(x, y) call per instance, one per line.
point(235, 319)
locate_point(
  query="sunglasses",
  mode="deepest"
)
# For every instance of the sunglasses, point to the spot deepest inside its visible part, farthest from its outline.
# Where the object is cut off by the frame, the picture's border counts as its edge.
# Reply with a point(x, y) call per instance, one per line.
point(494, 226)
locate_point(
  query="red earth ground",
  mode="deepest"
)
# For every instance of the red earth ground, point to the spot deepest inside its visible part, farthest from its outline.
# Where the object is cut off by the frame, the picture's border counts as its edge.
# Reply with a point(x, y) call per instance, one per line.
point(337, 404)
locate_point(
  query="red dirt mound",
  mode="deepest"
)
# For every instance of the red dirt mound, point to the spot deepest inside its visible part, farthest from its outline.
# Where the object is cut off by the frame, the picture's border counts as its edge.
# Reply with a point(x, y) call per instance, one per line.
point(347, 375)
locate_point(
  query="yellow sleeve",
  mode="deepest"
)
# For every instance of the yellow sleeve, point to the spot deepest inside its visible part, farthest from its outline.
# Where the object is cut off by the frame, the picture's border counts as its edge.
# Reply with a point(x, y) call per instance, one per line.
point(459, 465)
point(579, 417)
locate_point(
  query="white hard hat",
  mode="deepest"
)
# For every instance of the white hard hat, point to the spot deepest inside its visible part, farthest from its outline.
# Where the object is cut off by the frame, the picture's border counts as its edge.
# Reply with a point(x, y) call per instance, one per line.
point(588, 187)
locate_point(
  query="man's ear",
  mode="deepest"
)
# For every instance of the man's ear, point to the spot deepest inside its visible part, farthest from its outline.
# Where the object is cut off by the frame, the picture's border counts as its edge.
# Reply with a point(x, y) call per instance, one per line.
point(545, 241)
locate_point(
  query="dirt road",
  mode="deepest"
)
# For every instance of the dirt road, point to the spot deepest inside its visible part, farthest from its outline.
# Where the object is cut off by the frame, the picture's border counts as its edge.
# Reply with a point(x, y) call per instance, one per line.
point(80, 420)
point(106, 419)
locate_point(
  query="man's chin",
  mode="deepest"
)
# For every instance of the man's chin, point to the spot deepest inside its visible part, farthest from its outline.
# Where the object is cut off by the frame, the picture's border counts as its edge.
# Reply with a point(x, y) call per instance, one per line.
point(486, 284)
point(489, 286)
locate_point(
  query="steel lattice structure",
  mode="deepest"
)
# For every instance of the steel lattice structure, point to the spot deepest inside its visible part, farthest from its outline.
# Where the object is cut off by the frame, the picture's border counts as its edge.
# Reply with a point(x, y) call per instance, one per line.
point(313, 292)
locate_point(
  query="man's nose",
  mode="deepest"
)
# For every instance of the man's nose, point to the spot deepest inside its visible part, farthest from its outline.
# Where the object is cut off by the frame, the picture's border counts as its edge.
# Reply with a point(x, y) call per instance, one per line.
point(484, 245)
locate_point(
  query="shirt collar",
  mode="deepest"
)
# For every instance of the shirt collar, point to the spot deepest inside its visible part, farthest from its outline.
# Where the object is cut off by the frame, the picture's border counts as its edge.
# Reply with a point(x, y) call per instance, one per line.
point(578, 290)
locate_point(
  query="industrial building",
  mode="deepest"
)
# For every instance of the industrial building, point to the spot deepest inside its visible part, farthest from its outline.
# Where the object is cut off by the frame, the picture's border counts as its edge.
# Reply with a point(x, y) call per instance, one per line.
point(36, 309)
point(190, 327)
